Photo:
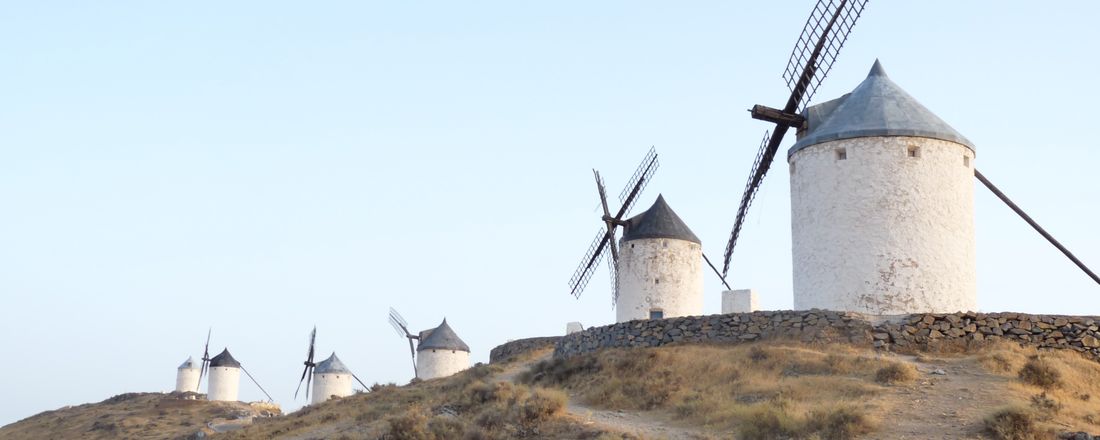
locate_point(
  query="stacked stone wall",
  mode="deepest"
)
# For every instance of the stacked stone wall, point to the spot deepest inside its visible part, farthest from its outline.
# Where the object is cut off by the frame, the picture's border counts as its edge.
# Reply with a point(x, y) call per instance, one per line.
point(515, 348)
point(916, 332)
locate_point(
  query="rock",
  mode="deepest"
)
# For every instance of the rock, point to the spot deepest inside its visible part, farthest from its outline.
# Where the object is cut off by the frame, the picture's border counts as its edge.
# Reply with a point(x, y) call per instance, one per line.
point(881, 336)
point(1090, 341)
point(935, 334)
point(939, 372)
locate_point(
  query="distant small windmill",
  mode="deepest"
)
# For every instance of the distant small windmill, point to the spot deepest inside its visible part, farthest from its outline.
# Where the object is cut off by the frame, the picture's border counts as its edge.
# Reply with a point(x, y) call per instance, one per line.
point(402, 327)
point(336, 385)
point(661, 249)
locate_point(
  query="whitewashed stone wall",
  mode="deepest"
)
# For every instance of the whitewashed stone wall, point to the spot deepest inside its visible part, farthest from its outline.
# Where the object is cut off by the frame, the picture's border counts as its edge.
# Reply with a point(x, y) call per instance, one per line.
point(659, 273)
point(187, 379)
point(224, 384)
point(431, 363)
point(326, 385)
point(739, 301)
point(881, 232)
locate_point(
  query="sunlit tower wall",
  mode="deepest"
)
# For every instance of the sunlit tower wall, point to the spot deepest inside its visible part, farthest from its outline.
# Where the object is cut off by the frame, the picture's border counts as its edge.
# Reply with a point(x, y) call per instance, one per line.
point(660, 268)
point(225, 378)
point(882, 206)
point(187, 376)
point(330, 378)
point(441, 353)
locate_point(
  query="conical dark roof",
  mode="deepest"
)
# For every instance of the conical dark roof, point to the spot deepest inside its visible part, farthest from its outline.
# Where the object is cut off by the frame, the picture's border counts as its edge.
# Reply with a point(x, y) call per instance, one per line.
point(332, 365)
point(877, 107)
point(224, 359)
point(659, 221)
point(441, 338)
point(189, 363)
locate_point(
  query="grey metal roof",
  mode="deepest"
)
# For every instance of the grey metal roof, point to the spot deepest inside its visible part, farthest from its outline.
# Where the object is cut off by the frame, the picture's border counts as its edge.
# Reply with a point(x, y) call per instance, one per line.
point(441, 338)
point(189, 363)
point(224, 359)
point(659, 221)
point(877, 107)
point(332, 365)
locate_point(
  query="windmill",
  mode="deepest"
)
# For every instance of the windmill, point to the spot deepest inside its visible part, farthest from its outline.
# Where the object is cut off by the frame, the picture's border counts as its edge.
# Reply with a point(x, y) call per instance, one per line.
point(605, 237)
point(656, 245)
point(205, 360)
point(402, 327)
point(881, 188)
point(811, 59)
point(330, 365)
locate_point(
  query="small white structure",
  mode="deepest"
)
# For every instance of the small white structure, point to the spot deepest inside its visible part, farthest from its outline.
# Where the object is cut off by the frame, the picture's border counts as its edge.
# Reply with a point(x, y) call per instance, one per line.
point(739, 301)
point(330, 379)
point(660, 269)
point(225, 378)
point(882, 206)
point(441, 353)
point(573, 327)
point(187, 376)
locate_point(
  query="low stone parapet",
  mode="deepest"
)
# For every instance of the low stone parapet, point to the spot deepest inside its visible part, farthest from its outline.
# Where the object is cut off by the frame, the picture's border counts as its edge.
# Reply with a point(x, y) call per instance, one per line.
point(517, 347)
point(906, 332)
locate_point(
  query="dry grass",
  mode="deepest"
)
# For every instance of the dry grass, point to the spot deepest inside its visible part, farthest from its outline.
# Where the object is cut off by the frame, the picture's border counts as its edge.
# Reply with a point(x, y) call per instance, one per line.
point(1057, 387)
point(895, 373)
point(757, 389)
point(1014, 423)
point(1041, 373)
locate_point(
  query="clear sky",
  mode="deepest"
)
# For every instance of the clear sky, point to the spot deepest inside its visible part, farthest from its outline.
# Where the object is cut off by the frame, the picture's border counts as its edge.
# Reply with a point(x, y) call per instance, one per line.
point(261, 167)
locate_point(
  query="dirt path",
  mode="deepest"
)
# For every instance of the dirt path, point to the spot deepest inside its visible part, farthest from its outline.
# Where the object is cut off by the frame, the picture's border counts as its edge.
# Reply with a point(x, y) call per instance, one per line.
point(646, 425)
point(951, 405)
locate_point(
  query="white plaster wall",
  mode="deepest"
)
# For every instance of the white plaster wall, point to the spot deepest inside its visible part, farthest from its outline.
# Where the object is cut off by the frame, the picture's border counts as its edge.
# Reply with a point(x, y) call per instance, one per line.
point(573, 327)
point(326, 385)
point(739, 301)
point(224, 384)
point(659, 273)
point(431, 364)
point(881, 232)
point(187, 379)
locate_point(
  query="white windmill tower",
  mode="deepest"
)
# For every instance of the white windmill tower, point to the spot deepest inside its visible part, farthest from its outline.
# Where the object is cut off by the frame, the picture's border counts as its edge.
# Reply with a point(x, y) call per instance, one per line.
point(225, 378)
point(882, 209)
point(660, 269)
point(439, 352)
point(187, 376)
point(328, 378)
point(882, 206)
point(657, 266)
point(331, 378)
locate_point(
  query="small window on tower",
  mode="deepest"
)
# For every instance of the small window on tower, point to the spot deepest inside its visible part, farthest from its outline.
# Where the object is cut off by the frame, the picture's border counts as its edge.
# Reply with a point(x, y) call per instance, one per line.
point(966, 161)
point(656, 281)
point(656, 314)
point(841, 154)
point(914, 151)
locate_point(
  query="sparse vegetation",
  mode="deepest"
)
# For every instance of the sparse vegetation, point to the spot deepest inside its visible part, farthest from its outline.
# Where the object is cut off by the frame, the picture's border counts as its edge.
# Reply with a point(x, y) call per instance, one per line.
point(1040, 373)
point(895, 373)
point(758, 390)
point(1014, 423)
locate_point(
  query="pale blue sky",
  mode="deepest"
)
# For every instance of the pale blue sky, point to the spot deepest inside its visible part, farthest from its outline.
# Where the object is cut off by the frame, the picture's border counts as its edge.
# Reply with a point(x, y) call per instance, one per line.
point(261, 167)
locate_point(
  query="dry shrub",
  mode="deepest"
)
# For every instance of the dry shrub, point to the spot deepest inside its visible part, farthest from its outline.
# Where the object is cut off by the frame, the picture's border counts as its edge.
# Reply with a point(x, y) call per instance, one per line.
point(1012, 423)
point(766, 423)
point(1041, 373)
point(543, 404)
point(410, 425)
point(895, 373)
point(443, 427)
point(839, 423)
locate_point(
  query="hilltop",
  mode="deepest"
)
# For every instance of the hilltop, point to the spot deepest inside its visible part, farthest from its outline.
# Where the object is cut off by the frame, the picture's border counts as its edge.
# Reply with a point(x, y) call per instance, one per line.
point(749, 391)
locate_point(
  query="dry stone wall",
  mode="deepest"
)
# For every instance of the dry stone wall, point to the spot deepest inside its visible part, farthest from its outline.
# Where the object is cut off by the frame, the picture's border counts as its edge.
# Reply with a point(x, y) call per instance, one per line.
point(933, 331)
point(517, 347)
